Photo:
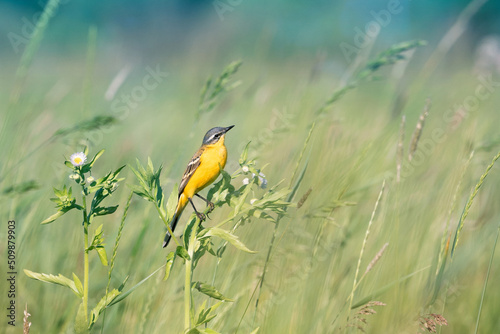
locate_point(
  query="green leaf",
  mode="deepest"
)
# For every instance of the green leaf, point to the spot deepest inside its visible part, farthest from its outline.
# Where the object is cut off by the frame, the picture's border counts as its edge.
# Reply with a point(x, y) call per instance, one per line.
point(202, 331)
point(208, 331)
point(205, 315)
point(242, 198)
point(210, 291)
point(299, 181)
point(91, 163)
point(60, 280)
point(172, 203)
point(141, 177)
point(54, 217)
point(125, 294)
point(140, 192)
point(69, 164)
point(78, 284)
point(116, 172)
point(182, 252)
point(102, 211)
point(231, 238)
point(103, 303)
point(101, 251)
point(244, 155)
point(81, 326)
point(168, 265)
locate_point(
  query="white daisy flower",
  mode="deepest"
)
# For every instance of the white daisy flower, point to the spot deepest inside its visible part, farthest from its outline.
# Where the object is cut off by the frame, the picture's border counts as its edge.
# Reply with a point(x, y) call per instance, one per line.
point(246, 181)
point(78, 159)
point(245, 169)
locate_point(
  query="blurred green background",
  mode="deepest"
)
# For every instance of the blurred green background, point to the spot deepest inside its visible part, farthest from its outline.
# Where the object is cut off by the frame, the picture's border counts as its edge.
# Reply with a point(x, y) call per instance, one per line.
point(94, 57)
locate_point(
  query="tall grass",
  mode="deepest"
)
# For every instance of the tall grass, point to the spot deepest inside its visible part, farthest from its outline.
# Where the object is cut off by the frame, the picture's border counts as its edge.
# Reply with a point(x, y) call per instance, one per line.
point(315, 266)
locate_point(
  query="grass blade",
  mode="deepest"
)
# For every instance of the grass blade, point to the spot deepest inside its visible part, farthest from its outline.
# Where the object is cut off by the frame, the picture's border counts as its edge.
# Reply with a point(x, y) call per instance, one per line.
point(486, 281)
point(469, 203)
point(364, 244)
point(418, 129)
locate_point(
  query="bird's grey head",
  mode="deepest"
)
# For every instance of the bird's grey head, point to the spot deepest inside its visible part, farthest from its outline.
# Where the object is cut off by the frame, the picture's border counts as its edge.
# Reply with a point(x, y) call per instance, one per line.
point(213, 135)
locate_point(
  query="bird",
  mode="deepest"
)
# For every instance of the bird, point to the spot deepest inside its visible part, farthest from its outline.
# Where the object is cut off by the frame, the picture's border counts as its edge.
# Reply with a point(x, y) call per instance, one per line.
point(203, 169)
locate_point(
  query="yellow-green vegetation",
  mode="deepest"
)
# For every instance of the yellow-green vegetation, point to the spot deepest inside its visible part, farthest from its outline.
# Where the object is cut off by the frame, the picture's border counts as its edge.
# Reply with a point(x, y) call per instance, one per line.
point(357, 206)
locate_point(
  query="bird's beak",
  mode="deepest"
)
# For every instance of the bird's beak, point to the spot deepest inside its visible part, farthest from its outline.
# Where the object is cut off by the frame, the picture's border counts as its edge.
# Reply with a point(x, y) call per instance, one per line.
point(228, 128)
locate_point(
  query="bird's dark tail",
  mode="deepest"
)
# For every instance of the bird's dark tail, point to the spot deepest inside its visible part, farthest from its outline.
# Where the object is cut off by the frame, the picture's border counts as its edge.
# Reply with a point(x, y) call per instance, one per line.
point(178, 211)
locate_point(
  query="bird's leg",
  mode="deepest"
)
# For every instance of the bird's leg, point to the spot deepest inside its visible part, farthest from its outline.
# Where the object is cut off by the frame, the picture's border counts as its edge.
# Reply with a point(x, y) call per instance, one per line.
point(210, 204)
point(201, 216)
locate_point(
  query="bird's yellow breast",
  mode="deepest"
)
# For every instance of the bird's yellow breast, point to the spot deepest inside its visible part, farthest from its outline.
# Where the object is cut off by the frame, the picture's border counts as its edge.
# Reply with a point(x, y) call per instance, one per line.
point(212, 161)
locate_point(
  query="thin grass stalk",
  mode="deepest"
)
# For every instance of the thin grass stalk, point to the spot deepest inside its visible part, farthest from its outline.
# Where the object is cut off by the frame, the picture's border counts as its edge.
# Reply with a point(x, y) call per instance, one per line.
point(469, 203)
point(278, 219)
point(372, 263)
point(91, 51)
point(147, 306)
point(22, 70)
point(188, 305)
point(418, 129)
point(401, 149)
point(376, 258)
point(361, 58)
point(354, 285)
point(85, 258)
point(454, 202)
point(301, 156)
point(26, 322)
point(486, 281)
point(115, 251)
point(224, 244)
point(32, 48)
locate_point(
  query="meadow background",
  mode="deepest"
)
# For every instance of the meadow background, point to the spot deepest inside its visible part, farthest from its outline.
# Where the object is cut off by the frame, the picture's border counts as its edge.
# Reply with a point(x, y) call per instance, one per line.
point(93, 57)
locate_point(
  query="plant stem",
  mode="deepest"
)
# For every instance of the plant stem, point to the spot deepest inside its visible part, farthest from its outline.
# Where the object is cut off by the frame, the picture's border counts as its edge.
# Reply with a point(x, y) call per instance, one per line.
point(486, 281)
point(115, 250)
point(85, 257)
point(189, 273)
point(367, 233)
point(187, 295)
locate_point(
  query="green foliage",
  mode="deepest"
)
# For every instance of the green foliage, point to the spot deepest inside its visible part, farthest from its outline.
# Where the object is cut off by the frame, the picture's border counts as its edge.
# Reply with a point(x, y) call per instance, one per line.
point(64, 202)
point(94, 123)
point(283, 245)
point(213, 90)
point(149, 184)
point(385, 58)
point(210, 291)
point(102, 188)
point(226, 235)
point(468, 205)
point(59, 279)
point(98, 245)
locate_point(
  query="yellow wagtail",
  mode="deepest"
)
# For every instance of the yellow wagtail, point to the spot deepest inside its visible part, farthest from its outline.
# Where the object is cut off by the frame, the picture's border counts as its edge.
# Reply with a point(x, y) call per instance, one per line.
point(201, 171)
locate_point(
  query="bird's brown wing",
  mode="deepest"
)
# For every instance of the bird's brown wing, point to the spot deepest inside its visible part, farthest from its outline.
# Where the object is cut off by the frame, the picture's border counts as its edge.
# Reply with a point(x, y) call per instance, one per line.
point(190, 169)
